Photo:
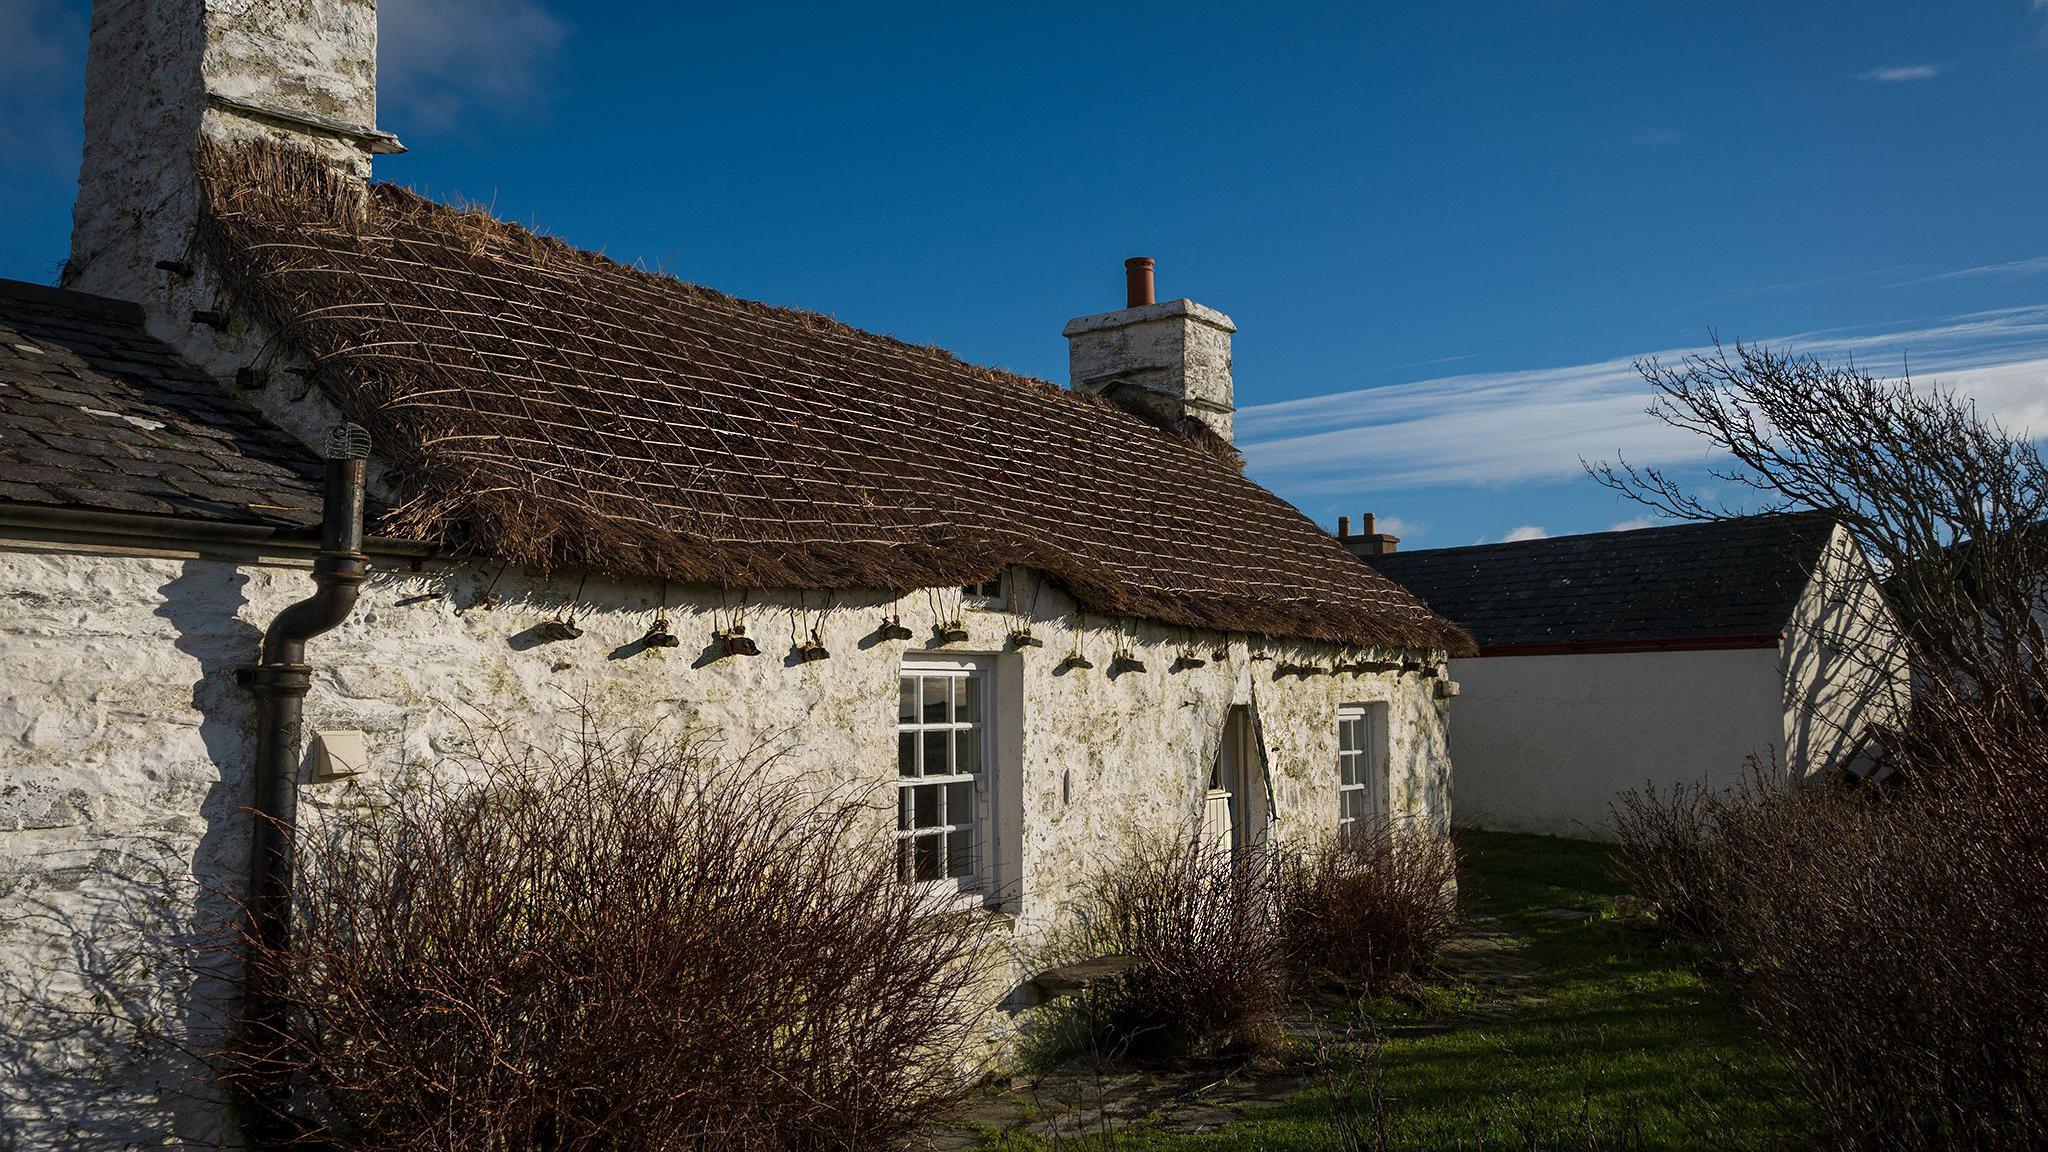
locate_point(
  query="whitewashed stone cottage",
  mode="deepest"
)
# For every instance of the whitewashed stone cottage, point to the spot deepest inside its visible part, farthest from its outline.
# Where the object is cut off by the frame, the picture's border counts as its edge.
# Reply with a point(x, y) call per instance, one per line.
point(1051, 619)
point(1664, 656)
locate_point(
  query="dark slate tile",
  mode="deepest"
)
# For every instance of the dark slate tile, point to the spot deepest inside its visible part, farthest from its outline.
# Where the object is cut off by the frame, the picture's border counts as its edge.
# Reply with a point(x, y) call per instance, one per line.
point(175, 442)
point(1732, 578)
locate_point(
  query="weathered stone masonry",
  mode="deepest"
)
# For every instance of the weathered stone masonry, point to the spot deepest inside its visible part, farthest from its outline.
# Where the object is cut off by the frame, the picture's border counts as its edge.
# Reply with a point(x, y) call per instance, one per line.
point(126, 736)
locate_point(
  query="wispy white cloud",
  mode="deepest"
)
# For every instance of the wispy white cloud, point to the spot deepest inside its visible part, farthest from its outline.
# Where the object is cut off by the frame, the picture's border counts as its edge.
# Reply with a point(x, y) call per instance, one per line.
point(1400, 527)
point(1484, 428)
point(2007, 270)
point(1903, 73)
point(1813, 281)
point(1427, 363)
point(1653, 138)
point(1525, 532)
point(1502, 428)
point(1633, 523)
point(440, 61)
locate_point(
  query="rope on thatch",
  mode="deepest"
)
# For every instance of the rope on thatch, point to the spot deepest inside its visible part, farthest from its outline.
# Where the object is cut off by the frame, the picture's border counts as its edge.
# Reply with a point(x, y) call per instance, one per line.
point(547, 406)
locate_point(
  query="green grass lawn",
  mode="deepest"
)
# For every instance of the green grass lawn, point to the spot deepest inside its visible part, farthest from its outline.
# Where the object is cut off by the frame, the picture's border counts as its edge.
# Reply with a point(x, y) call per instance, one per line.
point(1598, 1028)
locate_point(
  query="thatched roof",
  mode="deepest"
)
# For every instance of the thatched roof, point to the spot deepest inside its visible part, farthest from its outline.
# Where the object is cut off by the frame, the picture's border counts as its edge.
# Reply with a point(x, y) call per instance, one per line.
point(545, 405)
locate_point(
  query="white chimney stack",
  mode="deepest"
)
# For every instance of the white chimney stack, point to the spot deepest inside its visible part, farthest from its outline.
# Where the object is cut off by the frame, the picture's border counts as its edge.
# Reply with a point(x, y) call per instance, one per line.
point(1169, 363)
point(163, 75)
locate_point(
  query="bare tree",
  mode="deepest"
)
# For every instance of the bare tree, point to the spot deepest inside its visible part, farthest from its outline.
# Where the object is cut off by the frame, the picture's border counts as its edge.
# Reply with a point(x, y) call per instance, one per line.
point(1947, 504)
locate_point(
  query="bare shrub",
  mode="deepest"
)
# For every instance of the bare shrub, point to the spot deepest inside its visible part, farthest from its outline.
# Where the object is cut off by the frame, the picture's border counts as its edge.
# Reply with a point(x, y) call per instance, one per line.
point(1349, 1068)
point(1369, 909)
point(1198, 925)
point(1215, 938)
point(624, 946)
point(1894, 947)
point(1670, 856)
point(1891, 939)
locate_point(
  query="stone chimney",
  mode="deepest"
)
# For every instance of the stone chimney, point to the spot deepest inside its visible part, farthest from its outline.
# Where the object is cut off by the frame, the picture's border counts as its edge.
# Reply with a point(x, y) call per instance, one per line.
point(1367, 541)
point(1168, 363)
point(163, 75)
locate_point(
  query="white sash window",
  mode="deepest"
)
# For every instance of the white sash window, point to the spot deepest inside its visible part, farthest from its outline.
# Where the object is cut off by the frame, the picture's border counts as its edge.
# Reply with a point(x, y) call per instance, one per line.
point(943, 816)
point(1361, 768)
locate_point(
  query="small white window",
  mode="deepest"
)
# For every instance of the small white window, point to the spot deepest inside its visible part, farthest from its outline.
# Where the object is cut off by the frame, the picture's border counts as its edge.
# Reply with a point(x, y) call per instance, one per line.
point(943, 797)
point(1361, 769)
point(990, 590)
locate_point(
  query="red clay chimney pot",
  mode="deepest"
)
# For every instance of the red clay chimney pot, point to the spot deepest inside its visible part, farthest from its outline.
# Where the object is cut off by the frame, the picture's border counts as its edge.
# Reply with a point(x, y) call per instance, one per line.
point(1138, 281)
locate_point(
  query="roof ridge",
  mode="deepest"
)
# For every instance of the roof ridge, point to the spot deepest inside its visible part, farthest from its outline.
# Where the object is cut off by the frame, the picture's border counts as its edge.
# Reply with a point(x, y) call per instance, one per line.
point(810, 317)
point(814, 323)
point(103, 307)
point(1649, 530)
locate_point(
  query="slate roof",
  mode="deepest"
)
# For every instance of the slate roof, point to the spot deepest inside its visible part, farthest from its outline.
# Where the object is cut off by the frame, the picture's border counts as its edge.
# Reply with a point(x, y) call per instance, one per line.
point(544, 405)
point(97, 414)
point(1692, 584)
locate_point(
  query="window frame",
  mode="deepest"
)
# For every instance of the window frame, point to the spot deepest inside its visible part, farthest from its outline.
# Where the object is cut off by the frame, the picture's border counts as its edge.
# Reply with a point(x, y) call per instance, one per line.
point(990, 594)
point(979, 880)
point(1367, 768)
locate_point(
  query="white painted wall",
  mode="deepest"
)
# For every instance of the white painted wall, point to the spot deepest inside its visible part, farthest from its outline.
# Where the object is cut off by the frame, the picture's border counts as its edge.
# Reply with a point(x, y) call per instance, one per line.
point(124, 745)
point(1543, 743)
point(1843, 660)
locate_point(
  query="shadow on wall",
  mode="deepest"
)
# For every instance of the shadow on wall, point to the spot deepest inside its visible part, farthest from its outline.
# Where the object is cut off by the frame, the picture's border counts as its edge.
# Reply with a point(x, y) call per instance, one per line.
point(1844, 667)
point(97, 1047)
point(104, 1032)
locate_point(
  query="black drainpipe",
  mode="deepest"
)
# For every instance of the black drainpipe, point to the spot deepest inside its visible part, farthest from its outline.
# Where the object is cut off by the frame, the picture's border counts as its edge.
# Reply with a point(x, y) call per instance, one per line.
point(280, 682)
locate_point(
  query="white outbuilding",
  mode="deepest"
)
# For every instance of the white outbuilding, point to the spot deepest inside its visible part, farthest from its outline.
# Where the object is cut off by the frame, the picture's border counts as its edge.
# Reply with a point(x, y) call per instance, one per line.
point(1667, 655)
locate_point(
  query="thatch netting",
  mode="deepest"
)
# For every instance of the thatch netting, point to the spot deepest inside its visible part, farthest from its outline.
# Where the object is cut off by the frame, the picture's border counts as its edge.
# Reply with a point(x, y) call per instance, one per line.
point(547, 406)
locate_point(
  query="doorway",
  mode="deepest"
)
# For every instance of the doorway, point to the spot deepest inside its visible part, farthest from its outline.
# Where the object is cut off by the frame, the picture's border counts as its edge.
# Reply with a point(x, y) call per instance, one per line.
point(1236, 809)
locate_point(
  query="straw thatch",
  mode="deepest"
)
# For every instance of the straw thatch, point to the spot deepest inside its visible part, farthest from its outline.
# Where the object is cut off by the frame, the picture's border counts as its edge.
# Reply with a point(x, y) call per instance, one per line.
point(548, 406)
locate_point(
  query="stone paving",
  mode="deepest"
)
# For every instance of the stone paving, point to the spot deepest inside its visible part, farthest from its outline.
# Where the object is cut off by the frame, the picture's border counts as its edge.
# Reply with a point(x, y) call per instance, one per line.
point(1484, 963)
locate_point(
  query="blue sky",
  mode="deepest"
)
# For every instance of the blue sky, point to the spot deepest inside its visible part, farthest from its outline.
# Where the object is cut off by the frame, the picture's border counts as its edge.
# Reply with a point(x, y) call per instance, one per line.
point(1443, 229)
